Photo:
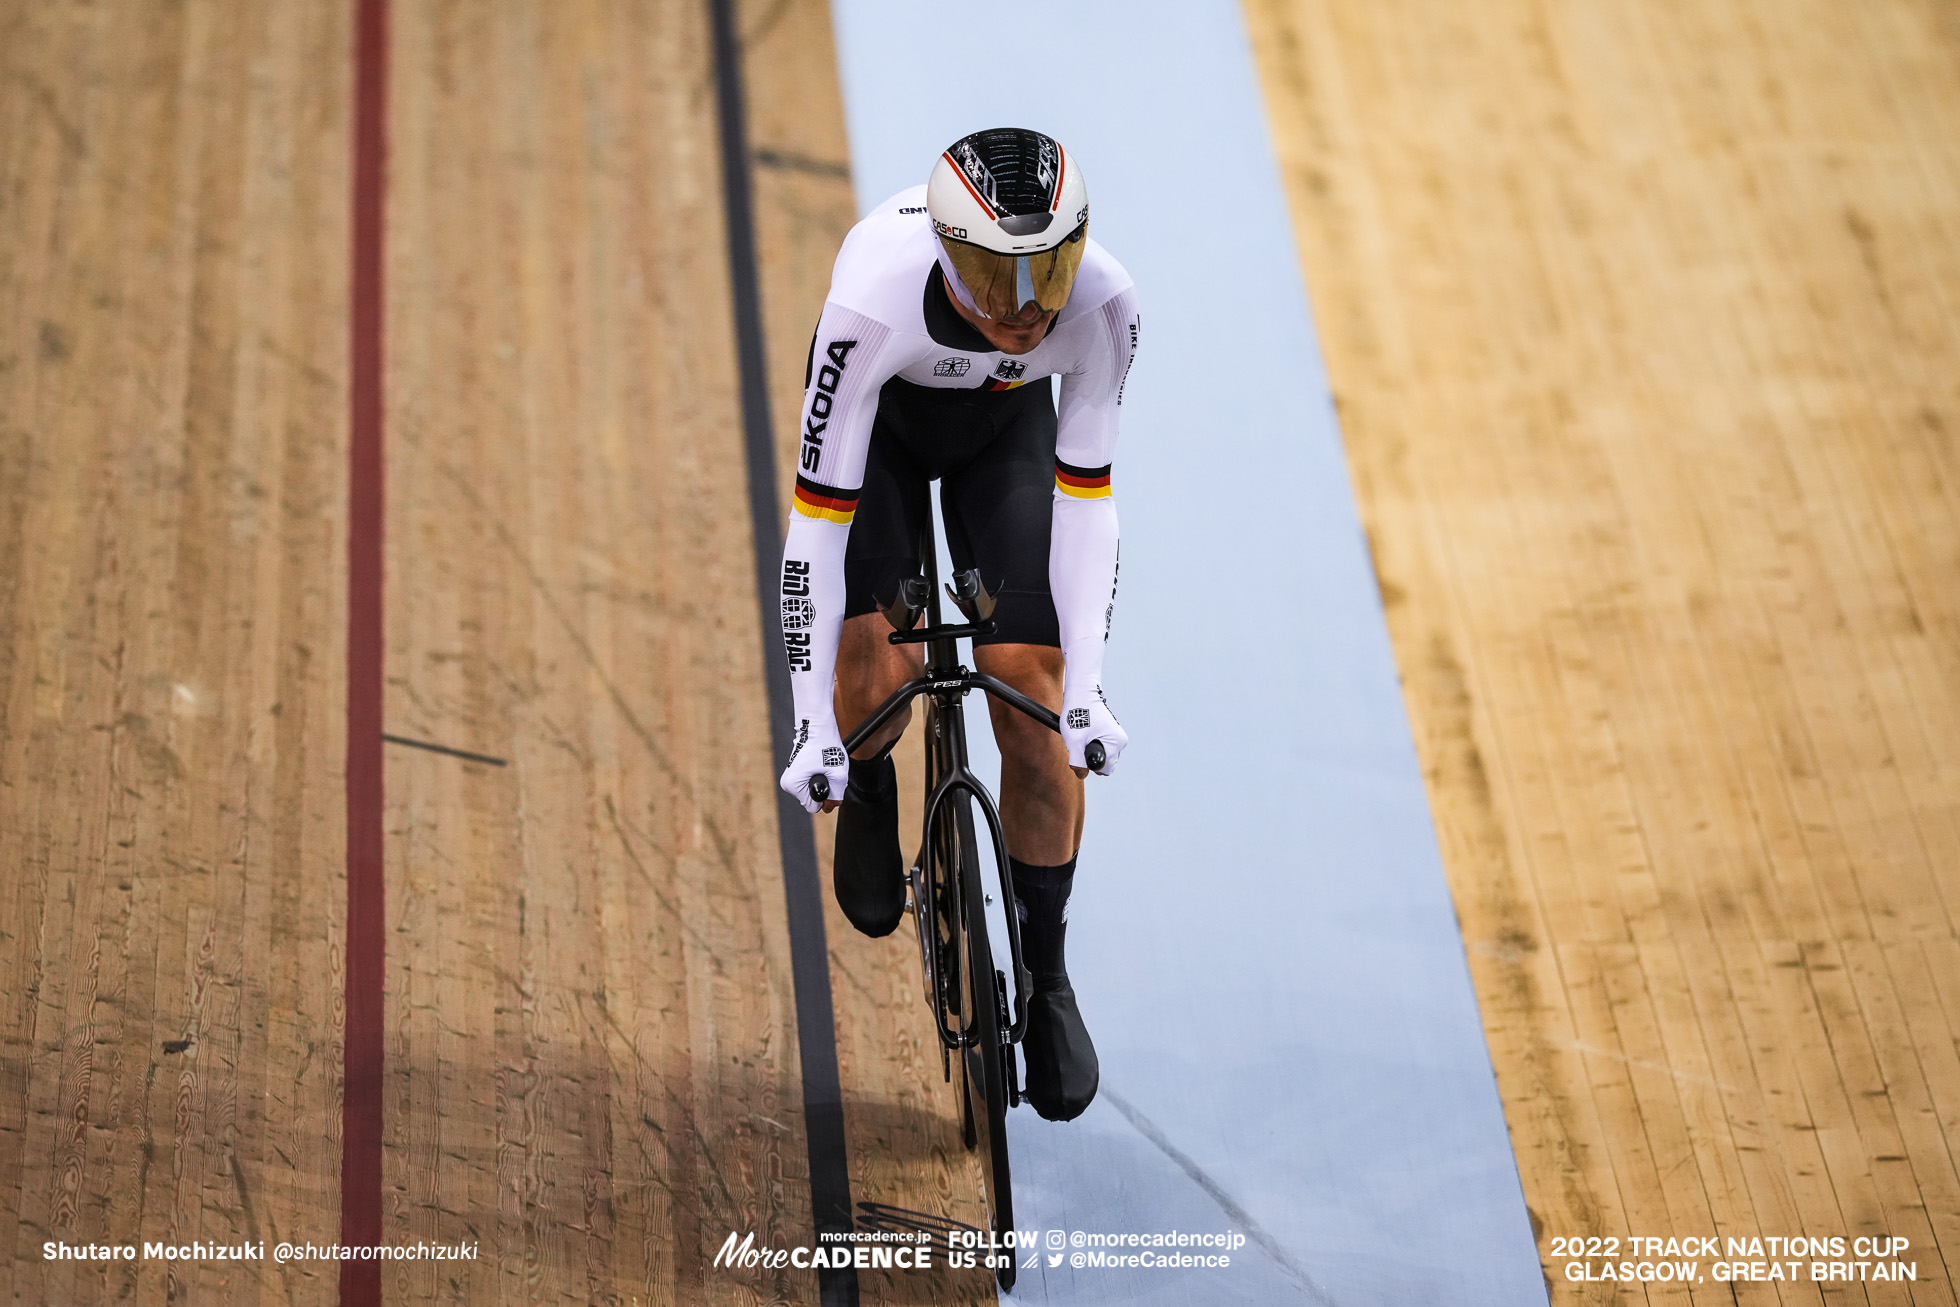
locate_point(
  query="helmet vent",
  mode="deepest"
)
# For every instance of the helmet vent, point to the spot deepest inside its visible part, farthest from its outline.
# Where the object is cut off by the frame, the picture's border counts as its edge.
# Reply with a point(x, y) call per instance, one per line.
point(1026, 224)
point(1015, 169)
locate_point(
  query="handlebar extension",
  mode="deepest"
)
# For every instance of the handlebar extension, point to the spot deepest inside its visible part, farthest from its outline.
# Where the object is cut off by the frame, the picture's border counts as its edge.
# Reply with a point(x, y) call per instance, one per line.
point(1093, 753)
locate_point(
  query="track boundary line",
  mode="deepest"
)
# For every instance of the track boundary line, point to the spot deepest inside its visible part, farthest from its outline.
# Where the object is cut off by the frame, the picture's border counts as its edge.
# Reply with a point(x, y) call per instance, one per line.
point(816, 1030)
point(365, 951)
point(1220, 1195)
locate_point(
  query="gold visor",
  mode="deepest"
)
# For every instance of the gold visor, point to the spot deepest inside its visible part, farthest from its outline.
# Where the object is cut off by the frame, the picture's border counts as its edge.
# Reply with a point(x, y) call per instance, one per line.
point(1002, 283)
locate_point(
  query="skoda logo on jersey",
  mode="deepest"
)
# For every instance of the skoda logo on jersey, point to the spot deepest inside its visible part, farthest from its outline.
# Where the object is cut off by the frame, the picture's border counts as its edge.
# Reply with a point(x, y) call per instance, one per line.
point(1010, 369)
point(951, 367)
point(820, 401)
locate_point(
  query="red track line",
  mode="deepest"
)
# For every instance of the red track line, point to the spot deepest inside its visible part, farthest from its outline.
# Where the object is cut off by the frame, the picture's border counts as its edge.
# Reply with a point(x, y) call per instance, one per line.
point(360, 1158)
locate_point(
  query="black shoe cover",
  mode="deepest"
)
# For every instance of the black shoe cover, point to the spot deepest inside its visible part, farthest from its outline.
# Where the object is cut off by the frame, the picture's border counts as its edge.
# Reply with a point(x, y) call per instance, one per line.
point(1062, 1069)
point(867, 871)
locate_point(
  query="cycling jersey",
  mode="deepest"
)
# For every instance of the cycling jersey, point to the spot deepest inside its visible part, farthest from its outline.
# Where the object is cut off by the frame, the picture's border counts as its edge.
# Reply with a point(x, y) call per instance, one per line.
point(886, 317)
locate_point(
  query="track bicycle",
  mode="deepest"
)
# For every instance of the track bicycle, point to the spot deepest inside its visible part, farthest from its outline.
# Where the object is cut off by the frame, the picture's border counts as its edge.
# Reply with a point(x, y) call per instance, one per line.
point(979, 1016)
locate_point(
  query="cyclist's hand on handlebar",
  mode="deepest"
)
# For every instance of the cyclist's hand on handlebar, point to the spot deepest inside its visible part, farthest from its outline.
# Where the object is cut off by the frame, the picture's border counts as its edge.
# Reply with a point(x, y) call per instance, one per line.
point(818, 751)
point(1090, 720)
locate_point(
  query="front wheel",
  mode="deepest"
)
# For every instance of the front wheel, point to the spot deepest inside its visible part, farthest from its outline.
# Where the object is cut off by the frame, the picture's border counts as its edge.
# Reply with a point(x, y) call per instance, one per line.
point(985, 1059)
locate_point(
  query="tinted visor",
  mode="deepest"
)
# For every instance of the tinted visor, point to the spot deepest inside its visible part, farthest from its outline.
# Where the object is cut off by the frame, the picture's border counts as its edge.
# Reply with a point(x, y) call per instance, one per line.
point(1002, 283)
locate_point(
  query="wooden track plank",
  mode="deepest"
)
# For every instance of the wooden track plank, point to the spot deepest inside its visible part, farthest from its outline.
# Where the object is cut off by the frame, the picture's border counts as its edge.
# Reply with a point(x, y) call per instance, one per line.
point(602, 920)
point(1641, 323)
point(1898, 1074)
point(169, 676)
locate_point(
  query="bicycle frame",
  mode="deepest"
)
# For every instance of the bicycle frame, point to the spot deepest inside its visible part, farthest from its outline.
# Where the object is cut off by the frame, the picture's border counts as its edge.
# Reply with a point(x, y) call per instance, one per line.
point(946, 681)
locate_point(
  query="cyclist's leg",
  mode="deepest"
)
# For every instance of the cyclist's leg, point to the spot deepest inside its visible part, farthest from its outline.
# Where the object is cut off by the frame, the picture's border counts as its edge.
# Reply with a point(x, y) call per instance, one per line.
point(997, 509)
point(919, 433)
point(869, 669)
point(1062, 1068)
point(1041, 803)
point(892, 508)
point(868, 869)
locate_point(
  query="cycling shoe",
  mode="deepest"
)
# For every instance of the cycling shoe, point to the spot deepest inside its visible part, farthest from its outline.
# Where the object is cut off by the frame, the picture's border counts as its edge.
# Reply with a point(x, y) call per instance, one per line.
point(1063, 1073)
point(867, 870)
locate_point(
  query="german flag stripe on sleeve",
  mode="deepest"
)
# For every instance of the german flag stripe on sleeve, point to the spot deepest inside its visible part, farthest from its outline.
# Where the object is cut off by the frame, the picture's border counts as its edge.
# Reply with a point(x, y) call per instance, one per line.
point(826, 503)
point(1082, 482)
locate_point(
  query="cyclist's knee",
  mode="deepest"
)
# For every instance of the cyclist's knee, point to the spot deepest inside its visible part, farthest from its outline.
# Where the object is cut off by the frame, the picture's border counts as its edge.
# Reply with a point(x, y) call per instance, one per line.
point(1024, 742)
point(1036, 671)
point(1033, 763)
point(869, 670)
point(885, 735)
point(1033, 669)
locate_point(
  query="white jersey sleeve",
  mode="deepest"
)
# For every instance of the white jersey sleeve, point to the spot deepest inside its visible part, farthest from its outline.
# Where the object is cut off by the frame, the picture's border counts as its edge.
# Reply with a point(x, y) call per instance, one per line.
point(840, 401)
point(1082, 551)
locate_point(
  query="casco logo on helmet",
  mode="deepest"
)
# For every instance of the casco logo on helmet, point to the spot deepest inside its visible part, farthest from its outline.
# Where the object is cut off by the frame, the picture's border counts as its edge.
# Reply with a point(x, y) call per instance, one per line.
point(957, 233)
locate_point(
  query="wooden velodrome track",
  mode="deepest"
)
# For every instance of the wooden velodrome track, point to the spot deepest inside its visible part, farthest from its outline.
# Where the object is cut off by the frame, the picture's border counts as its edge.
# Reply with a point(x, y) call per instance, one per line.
point(1640, 323)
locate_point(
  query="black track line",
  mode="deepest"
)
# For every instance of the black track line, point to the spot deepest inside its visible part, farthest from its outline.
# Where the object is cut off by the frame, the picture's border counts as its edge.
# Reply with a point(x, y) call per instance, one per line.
point(433, 747)
point(816, 1032)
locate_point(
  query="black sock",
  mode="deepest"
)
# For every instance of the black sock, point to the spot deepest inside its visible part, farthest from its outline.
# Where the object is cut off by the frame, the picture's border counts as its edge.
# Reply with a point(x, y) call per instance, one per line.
point(875, 778)
point(1042, 893)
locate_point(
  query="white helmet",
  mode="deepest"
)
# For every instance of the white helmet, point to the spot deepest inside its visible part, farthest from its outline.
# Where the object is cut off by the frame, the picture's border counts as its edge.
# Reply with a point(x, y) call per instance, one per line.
point(1011, 211)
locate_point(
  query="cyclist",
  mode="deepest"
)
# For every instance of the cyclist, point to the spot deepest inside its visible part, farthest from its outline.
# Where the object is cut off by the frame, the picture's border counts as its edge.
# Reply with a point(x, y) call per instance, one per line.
point(950, 306)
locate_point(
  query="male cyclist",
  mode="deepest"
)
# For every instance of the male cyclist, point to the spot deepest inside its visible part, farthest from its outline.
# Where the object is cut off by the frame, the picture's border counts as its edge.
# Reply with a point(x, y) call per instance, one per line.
point(950, 307)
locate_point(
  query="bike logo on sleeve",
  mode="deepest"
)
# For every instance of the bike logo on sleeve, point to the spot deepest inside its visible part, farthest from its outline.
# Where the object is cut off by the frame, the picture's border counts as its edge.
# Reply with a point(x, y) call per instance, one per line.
point(799, 615)
point(821, 400)
point(833, 757)
point(1011, 370)
point(797, 645)
point(951, 367)
point(1078, 719)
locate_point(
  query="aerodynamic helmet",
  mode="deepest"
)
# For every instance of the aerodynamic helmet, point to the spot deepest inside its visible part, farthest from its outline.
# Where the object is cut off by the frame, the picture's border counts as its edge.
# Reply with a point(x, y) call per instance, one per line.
point(1012, 213)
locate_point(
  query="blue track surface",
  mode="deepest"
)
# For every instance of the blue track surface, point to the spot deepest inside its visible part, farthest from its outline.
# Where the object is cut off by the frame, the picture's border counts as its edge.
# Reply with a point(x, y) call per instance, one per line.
point(1261, 935)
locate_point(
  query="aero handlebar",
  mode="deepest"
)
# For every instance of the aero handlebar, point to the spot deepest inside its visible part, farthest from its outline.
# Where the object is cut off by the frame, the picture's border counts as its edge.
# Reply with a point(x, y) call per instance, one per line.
point(1093, 753)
